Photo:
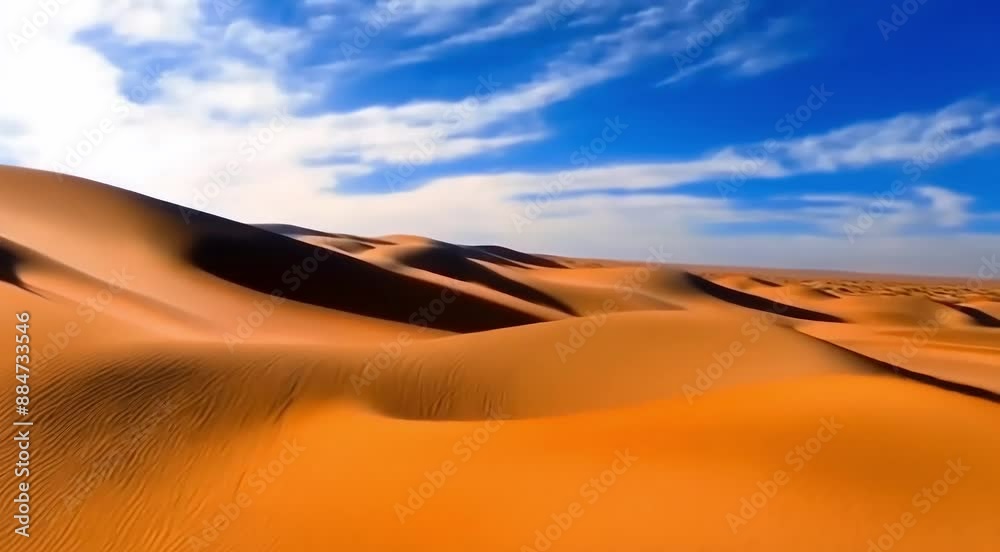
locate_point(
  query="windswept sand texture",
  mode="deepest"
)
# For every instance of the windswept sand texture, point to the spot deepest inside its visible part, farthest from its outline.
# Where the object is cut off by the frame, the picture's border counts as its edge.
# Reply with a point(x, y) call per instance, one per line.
point(200, 384)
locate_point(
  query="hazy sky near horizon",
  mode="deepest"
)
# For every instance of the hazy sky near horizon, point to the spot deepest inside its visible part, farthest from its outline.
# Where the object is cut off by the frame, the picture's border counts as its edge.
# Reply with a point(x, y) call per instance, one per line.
point(859, 135)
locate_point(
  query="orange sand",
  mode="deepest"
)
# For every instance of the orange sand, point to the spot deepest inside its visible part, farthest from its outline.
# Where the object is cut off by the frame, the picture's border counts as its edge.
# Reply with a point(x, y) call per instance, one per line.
point(216, 386)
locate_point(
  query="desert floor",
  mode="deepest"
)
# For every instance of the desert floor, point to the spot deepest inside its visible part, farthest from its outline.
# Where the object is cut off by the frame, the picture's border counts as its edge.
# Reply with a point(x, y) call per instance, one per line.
point(201, 384)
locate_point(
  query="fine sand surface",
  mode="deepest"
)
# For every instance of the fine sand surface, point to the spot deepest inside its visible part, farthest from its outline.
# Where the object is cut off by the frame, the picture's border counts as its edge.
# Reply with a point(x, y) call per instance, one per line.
point(201, 384)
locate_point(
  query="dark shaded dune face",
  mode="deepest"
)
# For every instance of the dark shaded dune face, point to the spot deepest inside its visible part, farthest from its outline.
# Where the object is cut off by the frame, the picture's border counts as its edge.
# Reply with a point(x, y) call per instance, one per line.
point(272, 263)
point(7, 264)
point(347, 246)
point(12, 255)
point(292, 230)
point(819, 292)
point(981, 317)
point(756, 302)
point(451, 261)
point(495, 251)
point(764, 282)
point(926, 379)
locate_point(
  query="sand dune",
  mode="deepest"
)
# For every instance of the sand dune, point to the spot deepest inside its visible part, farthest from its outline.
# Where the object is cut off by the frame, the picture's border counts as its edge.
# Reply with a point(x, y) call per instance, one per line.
point(743, 282)
point(200, 384)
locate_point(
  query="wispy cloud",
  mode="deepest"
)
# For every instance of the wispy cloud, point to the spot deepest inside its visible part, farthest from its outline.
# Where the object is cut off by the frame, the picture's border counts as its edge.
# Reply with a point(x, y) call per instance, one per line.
point(547, 15)
point(921, 208)
point(522, 19)
point(274, 43)
point(743, 54)
point(950, 209)
point(958, 130)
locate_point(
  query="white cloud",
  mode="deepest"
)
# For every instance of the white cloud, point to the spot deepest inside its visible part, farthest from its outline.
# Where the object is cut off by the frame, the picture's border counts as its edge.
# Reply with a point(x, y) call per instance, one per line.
point(950, 209)
point(960, 129)
point(275, 42)
point(134, 20)
point(742, 54)
point(521, 19)
point(548, 15)
point(431, 17)
point(917, 209)
point(202, 113)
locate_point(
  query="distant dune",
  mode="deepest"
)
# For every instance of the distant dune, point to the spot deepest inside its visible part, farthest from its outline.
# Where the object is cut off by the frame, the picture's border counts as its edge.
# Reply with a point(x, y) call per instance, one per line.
point(200, 384)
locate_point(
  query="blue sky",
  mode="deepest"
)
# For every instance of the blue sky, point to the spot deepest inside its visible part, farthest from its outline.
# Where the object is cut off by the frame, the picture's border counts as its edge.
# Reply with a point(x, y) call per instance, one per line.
point(861, 135)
